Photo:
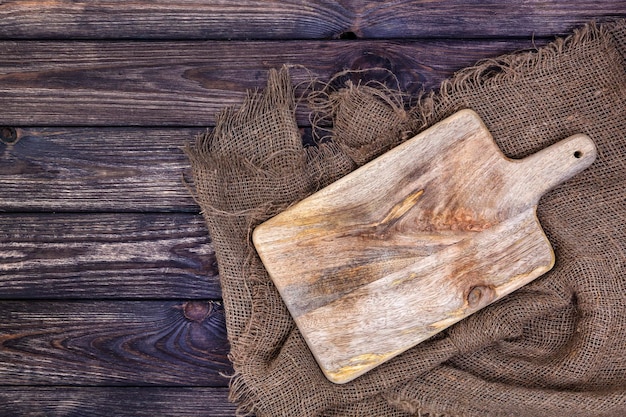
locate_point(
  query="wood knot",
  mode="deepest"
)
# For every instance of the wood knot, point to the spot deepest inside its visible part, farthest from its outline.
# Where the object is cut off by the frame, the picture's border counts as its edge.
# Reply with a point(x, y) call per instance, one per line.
point(348, 35)
point(196, 310)
point(8, 135)
point(480, 296)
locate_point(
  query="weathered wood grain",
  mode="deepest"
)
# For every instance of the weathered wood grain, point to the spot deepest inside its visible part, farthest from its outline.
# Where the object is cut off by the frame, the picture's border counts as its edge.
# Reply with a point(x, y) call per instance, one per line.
point(115, 401)
point(95, 169)
point(458, 18)
point(75, 345)
point(113, 343)
point(186, 83)
point(295, 19)
point(434, 230)
point(100, 255)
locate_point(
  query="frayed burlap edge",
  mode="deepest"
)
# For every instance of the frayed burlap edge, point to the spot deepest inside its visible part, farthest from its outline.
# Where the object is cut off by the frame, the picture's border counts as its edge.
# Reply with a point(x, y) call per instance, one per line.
point(433, 106)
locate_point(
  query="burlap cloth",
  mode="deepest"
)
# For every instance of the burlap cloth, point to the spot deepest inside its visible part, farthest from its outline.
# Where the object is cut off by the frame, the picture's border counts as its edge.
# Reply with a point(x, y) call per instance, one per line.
point(555, 347)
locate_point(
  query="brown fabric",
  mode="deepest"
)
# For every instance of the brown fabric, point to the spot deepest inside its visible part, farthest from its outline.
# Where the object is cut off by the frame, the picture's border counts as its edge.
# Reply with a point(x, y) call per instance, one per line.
point(555, 347)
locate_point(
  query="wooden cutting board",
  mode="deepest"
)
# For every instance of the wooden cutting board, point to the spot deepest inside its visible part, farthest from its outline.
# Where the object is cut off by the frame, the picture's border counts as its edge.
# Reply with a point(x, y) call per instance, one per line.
point(412, 242)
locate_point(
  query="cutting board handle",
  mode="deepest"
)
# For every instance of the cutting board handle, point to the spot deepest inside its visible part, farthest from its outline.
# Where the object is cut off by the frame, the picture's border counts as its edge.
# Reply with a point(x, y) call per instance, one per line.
point(556, 164)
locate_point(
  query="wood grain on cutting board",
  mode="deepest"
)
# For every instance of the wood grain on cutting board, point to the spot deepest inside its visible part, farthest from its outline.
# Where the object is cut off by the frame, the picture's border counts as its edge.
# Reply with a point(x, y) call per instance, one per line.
point(434, 230)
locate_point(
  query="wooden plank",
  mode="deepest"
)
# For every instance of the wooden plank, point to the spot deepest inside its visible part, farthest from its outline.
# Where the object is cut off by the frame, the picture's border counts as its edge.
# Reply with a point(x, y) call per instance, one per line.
point(91, 169)
point(115, 401)
point(186, 83)
point(118, 343)
point(82, 256)
point(480, 19)
point(434, 230)
point(295, 19)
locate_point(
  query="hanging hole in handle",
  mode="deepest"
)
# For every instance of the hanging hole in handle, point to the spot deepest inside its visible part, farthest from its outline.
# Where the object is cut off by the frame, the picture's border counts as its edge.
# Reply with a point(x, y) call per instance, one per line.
point(578, 154)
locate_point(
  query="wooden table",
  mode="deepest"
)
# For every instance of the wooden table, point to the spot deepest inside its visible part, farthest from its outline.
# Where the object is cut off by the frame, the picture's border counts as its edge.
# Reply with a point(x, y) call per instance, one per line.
point(109, 289)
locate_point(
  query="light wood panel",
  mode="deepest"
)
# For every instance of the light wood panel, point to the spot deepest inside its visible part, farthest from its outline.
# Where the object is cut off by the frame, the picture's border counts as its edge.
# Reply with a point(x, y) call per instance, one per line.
point(434, 230)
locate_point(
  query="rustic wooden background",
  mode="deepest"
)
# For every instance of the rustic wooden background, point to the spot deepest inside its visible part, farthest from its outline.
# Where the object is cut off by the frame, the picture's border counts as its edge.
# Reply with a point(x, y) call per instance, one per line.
point(109, 289)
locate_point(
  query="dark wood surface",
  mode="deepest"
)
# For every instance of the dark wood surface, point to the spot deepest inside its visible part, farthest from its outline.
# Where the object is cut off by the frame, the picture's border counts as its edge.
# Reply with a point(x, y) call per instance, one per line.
point(185, 83)
point(109, 289)
point(96, 169)
point(115, 401)
point(106, 256)
point(113, 343)
point(295, 19)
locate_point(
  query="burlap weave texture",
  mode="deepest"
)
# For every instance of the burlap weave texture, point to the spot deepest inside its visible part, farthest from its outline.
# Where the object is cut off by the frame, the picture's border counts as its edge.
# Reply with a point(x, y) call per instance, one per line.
point(555, 347)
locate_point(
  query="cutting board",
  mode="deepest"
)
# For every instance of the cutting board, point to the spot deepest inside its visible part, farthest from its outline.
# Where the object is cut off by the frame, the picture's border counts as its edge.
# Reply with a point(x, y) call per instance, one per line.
point(412, 242)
